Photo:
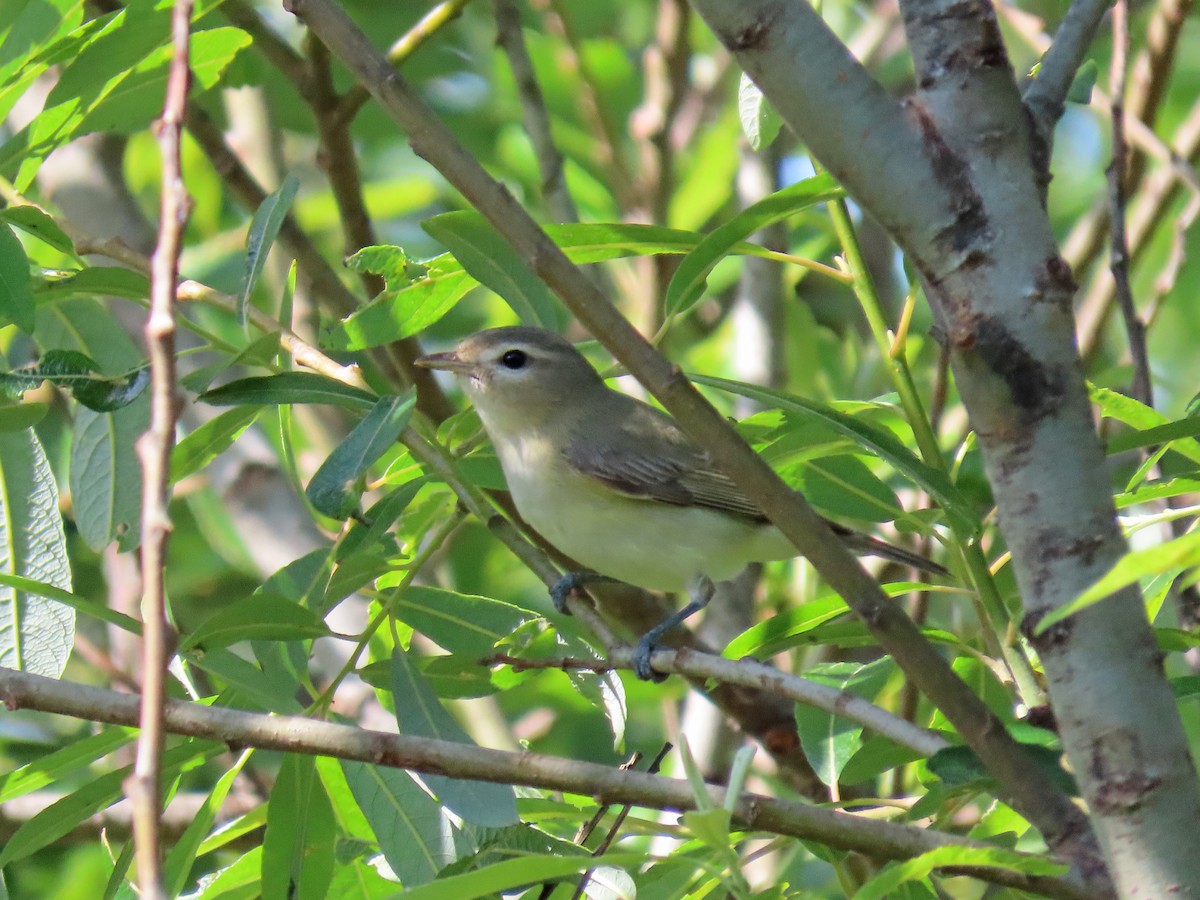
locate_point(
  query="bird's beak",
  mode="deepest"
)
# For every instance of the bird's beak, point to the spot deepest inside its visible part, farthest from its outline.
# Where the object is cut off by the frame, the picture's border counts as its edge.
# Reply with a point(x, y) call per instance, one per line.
point(449, 361)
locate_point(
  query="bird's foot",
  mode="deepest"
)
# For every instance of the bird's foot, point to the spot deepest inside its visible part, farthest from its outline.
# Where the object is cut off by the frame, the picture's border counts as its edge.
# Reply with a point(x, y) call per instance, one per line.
point(571, 582)
point(641, 659)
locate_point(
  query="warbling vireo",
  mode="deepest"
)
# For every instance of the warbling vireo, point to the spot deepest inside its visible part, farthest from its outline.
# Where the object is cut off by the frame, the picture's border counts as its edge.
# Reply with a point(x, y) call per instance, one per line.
point(613, 482)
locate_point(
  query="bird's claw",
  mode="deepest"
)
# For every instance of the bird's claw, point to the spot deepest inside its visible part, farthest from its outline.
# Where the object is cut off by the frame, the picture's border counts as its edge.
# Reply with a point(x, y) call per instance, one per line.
point(571, 582)
point(641, 660)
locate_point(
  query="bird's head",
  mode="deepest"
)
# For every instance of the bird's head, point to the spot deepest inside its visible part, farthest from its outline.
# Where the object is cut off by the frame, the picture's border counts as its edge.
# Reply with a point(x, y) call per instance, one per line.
point(519, 378)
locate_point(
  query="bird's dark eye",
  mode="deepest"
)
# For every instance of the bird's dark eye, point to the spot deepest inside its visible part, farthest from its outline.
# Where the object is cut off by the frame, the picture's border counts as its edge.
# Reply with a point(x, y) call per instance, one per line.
point(514, 359)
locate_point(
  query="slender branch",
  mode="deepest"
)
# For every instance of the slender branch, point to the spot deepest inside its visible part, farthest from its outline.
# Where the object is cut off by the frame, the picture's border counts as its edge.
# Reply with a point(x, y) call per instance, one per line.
point(1135, 330)
point(154, 447)
point(533, 112)
point(1147, 214)
point(411, 41)
point(295, 734)
point(1046, 95)
point(751, 673)
point(277, 51)
point(1030, 790)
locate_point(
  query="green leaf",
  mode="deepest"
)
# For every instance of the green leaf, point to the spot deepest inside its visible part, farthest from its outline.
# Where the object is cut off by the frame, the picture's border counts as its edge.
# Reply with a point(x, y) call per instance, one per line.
point(878, 441)
point(464, 624)
point(398, 314)
point(887, 882)
point(1080, 91)
point(388, 261)
point(760, 122)
point(331, 489)
point(289, 387)
point(97, 281)
point(259, 617)
point(33, 221)
point(410, 826)
point(208, 441)
point(79, 374)
point(1180, 553)
point(688, 283)
point(268, 219)
point(67, 762)
point(300, 841)
point(1169, 433)
point(407, 308)
point(513, 873)
point(60, 817)
point(420, 713)
point(1114, 405)
point(828, 740)
point(106, 476)
point(20, 416)
point(178, 864)
point(16, 295)
point(79, 604)
point(36, 634)
point(844, 486)
point(492, 262)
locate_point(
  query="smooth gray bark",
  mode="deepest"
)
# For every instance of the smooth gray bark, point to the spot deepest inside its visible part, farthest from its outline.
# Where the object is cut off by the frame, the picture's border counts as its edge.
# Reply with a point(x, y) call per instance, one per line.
point(952, 174)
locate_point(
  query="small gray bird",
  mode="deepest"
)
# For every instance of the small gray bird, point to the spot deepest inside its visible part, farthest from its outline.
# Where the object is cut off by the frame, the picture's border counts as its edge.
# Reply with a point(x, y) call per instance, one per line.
point(613, 482)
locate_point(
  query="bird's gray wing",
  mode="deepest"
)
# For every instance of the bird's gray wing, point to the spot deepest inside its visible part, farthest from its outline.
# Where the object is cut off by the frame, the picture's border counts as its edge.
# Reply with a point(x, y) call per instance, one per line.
point(648, 457)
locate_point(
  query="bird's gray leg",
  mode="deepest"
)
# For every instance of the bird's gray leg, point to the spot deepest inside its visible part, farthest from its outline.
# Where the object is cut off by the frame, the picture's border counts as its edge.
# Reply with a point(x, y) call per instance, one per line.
point(571, 581)
point(700, 591)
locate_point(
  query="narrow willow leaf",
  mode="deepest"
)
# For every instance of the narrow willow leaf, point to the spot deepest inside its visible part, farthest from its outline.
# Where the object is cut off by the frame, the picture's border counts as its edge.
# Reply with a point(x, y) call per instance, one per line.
point(1114, 405)
point(828, 740)
point(407, 308)
point(412, 831)
point(288, 387)
point(178, 864)
point(268, 219)
point(60, 817)
point(1181, 553)
point(258, 617)
point(106, 476)
point(16, 295)
point(77, 603)
point(687, 284)
point(465, 624)
point(112, 470)
point(301, 836)
point(398, 314)
point(109, 281)
point(20, 416)
point(331, 489)
point(880, 442)
point(79, 374)
point(208, 441)
point(420, 713)
point(510, 874)
point(760, 122)
point(68, 762)
point(490, 260)
point(33, 221)
point(36, 634)
point(1170, 433)
point(889, 881)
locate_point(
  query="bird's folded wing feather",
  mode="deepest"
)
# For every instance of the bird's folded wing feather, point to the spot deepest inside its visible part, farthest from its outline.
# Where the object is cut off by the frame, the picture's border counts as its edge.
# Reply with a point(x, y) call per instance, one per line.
point(651, 459)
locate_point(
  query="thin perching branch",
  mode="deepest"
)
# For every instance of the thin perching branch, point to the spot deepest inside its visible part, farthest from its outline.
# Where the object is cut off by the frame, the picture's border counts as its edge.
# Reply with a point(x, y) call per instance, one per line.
point(1140, 388)
point(154, 447)
point(297, 734)
point(1046, 95)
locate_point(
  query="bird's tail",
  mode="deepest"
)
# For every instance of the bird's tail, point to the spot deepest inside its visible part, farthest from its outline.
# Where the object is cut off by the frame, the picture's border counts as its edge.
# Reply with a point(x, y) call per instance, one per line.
point(871, 546)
